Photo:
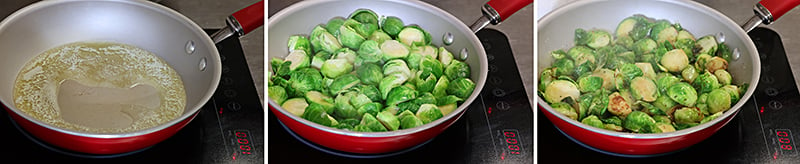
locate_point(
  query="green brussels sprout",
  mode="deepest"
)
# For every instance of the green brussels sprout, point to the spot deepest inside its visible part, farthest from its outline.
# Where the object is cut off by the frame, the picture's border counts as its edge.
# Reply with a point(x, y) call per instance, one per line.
point(638, 121)
point(280, 67)
point(690, 73)
point(352, 33)
point(379, 36)
point(425, 81)
point(675, 60)
point(606, 74)
point(295, 106)
point(333, 68)
point(558, 90)
point(593, 38)
point(342, 83)
point(682, 93)
point(647, 70)
point(663, 31)
point(429, 51)
point(614, 127)
point(644, 46)
point(683, 34)
point(564, 67)
point(322, 40)
point(665, 80)
point(565, 109)
point(599, 103)
point(333, 25)
point(428, 113)
point(686, 45)
point(635, 27)
point(581, 54)
point(558, 54)
point(614, 120)
point(370, 51)
point(431, 65)
point(397, 66)
point(589, 83)
point(392, 25)
point(408, 120)
point(370, 108)
point(660, 127)
point(298, 60)
point(392, 49)
point(688, 115)
point(359, 99)
point(389, 120)
point(448, 108)
point(342, 107)
point(724, 51)
point(618, 105)
point(630, 71)
point(319, 59)
point(277, 94)
point(711, 117)
point(723, 76)
point(664, 103)
point(625, 41)
point(414, 35)
point(370, 91)
point(400, 94)
point(324, 101)
point(719, 100)
point(440, 89)
point(304, 80)
point(700, 62)
point(407, 106)
point(316, 113)
point(584, 69)
point(348, 123)
point(370, 74)
point(299, 42)
point(593, 121)
point(733, 91)
point(706, 82)
point(706, 45)
point(425, 98)
point(345, 53)
point(662, 119)
point(370, 122)
point(644, 89)
point(413, 60)
point(461, 87)
point(449, 99)
point(389, 82)
point(445, 57)
point(364, 16)
point(716, 63)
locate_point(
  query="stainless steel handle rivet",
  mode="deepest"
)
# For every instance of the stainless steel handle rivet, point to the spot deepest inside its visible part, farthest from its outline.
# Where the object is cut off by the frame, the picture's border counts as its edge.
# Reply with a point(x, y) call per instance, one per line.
point(447, 38)
point(720, 37)
point(463, 54)
point(736, 54)
point(190, 47)
point(202, 65)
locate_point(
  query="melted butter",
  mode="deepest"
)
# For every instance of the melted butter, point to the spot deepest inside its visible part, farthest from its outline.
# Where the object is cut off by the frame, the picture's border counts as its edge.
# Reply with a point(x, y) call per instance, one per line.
point(99, 87)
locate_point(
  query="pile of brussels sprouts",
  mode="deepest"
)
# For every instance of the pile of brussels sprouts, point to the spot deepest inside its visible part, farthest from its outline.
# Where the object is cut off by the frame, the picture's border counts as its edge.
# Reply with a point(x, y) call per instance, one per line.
point(368, 74)
point(651, 77)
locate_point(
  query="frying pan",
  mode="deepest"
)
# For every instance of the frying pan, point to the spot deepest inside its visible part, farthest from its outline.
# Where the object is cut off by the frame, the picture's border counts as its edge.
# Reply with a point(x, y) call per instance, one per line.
point(300, 18)
point(147, 25)
point(555, 31)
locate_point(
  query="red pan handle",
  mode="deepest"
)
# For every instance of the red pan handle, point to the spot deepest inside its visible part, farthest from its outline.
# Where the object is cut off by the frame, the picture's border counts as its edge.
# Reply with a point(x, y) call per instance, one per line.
point(251, 17)
point(508, 7)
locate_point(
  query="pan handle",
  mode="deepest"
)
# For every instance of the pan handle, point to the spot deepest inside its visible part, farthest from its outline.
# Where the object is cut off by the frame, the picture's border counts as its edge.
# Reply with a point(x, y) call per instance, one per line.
point(495, 11)
point(767, 11)
point(241, 22)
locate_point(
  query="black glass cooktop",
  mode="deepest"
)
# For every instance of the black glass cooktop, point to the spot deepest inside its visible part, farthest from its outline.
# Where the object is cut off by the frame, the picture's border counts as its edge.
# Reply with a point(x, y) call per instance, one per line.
point(496, 128)
point(228, 129)
point(764, 131)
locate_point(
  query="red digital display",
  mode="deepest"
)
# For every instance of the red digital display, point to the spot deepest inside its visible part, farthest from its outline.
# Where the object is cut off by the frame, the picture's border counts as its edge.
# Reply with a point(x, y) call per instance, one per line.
point(784, 140)
point(243, 142)
point(512, 141)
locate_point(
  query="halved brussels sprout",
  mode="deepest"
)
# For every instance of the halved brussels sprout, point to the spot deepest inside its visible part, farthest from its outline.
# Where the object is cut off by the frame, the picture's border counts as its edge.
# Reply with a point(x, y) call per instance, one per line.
point(370, 74)
point(716, 63)
point(333, 25)
point(665, 104)
point(389, 82)
point(344, 82)
point(324, 101)
point(706, 45)
point(389, 120)
point(392, 25)
point(445, 57)
point(606, 74)
point(630, 71)
point(448, 108)
point(618, 105)
point(661, 127)
point(723, 76)
point(581, 55)
point(634, 27)
point(724, 51)
point(358, 100)
point(370, 51)
point(733, 91)
point(565, 109)
point(644, 89)
point(392, 49)
point(295, 106)
point(428, 113)
point(682, 93)
point(364, 16)
point(688, 115)
point(647, 70)
point(675, 60)
point(424, 81)
point(711, 117)
point(431, 65)
point(316, 113)
point(333, 68)
point(299, 42)
point(277, 94)
point(370, 91)
point(663, 31)
point(342, 107)
point(409, 120)
point(414, 35)
point(593, 121)
point(589, 83)
point(706, 82)
point(400, 94)
point(372, 108)
point(440, 89)
point(461, 87)
point(379, 36)
point(352, 33)
point(304, 80)
point(564, 67)
point(298, 60)
point(370, 122)
point(319, 59)
point(614, 120)
point(638, 121)
point(593, 38)
point(690, 73)
point(397, 66)
point(644, 46)
point(560, 89)
point(719, 100)
point(322, 40)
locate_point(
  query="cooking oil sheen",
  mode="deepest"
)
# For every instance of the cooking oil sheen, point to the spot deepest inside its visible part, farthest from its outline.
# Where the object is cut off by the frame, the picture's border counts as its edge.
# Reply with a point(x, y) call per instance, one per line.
point(99, 87)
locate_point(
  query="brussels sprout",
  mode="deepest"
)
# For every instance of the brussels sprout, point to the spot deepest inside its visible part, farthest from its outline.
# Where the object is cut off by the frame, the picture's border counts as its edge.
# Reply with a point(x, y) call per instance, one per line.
point(431, 65)
point(565, 109)
point(606, 74)
point(397, 66)
point(407, 106)
point(461, 87)
point(625, 41)
point(636, 27)
point(316, 113)
point(644, 46)
point(638, 121)
point(400, 94)
point(322, 40)
point(319, 59)
point(564, 67)
point(719, 100)
point(370, 91)
point(663, 31)
point(428, 113)
point(683, 34)
point(440, 89)
point(581, 55)
point(342, 107)
point(370, 51)
point(682, 93)
point(424, 81)
point(706, 82)
point(277, 94)
point(333, 25)
point(733, 91)
point(448, 108)
point(391, 81)
point(352, 33)
point(706, 45)
point(614, 127)
point(665, 104)
point(389, 120)
point(299, 42)
point(425, 98)
point(392, 49)
point(379, 36)
point(345, 53)
point(445, 57)
point(724, 51)
point(686, 45)
point(298, 60)
point(688, 115)
point(584, 69)
point(630, 71)
point(617, 105)
point(614, 120)
point(369, 108)
point(428, 51)
point(370, 122)
point(322, 100)
point(334, 68)
point(344, 82)
point(449, 99)
point(304, 80)
point(593, 38)
point(414, 35)
point(599, 103)
point(644, 89)
point(348, 123)
point(593, 121)
point(558, 90)
point(295, 106)
point(675, 60)
point(280, 67)
point(716, 63)
point(690, 73)
point(370, 74)
point(660, 127)
point(359, 99)
point(589, 83)
point(662, 119)
point(711, 117)
point(364, 16)
point(409, 120)
point(723, 76)
point(647, 70)
point(558, 54)
point(392, 25)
